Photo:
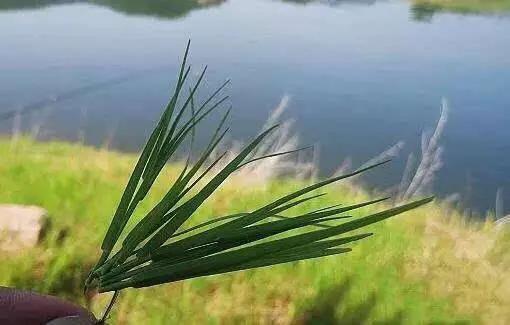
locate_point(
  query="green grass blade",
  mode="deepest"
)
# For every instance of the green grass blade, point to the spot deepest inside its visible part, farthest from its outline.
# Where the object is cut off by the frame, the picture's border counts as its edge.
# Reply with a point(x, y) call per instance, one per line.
point(156, 275)
point(167, 116)
point(120, 217)
point(212, 234)
point(157, 217)
point(274, 155)
point(271, 261)
point(190, 206)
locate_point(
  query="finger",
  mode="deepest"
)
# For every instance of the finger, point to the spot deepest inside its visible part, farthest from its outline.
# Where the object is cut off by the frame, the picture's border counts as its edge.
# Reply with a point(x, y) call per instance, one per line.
point(24, 307)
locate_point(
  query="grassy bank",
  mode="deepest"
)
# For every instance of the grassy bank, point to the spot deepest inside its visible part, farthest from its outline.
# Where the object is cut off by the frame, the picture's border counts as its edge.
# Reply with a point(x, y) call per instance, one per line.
point(427, 266)
point(464, 6)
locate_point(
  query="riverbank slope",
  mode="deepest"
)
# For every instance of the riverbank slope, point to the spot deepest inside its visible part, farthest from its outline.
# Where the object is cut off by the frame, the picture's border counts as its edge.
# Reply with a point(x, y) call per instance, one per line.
point(429, 265)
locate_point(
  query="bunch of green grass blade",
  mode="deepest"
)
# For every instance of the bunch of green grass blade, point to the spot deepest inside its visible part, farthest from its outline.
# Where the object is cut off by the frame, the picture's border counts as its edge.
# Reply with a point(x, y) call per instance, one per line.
point(156, 250)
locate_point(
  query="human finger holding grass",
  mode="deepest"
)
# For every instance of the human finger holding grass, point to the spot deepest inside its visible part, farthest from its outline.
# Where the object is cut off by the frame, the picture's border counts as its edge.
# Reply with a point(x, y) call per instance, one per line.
point(28, 308)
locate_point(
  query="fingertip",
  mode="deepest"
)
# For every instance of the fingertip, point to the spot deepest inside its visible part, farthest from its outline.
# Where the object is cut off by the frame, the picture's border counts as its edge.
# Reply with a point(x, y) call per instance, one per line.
point(24, 307)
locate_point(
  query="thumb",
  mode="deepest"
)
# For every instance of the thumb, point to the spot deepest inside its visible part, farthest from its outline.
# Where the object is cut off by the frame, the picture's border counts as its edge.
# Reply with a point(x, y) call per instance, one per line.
point(24, 307)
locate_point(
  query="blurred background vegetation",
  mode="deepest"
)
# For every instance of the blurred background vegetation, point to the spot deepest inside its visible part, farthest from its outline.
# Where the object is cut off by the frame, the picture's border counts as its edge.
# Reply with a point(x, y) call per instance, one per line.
point(428, 266)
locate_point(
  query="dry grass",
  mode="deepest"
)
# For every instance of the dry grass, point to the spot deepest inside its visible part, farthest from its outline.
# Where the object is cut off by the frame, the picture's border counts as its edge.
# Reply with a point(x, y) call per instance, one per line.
point(457, 258)
point(300, 165)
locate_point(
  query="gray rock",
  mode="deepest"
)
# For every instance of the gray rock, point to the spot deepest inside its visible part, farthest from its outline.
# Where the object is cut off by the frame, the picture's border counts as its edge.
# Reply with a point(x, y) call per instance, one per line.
point(20, 226)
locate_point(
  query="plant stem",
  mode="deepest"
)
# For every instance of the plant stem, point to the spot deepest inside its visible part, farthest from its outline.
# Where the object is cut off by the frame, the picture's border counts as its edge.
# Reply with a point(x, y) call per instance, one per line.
point(109, 307)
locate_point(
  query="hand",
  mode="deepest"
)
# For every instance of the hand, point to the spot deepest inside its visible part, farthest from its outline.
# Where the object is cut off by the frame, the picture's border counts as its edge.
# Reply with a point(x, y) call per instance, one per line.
point(23, 307)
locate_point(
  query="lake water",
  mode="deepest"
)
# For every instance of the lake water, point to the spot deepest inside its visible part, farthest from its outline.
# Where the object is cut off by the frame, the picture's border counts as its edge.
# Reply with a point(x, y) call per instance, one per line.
point(362, 75)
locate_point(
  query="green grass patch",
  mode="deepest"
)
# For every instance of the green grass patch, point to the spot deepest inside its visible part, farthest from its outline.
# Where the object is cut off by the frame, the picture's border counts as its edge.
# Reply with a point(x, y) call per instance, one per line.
point(425, 266)
point(426, 8)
